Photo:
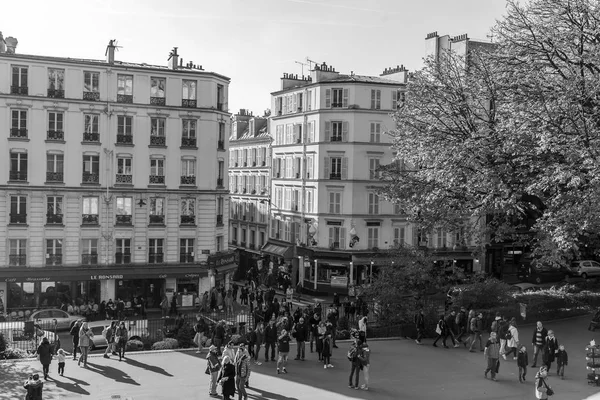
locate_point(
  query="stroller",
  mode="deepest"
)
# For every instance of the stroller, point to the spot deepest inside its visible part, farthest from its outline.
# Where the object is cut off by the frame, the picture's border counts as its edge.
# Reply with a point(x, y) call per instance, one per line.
point(595, 322)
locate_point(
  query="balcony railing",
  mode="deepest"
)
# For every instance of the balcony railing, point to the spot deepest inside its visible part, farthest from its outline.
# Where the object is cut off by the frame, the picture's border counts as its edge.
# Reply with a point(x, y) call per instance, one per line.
point(123, 219)
point(54, 176)
point(157, 179)
point(91, 96)
point(20, 133)
point(18, 176)
point(188, 219)
point(89, 177)
point(157, 101)
point(335, 139)
point(220, 220)
point(53, 259)
point(89, 219)
point(335, 176)
point(186, 258)
point(188, 180)
point(221, 145)
point(56, 93)
point(155, 258)
point(157, 219)
point(125, 98)
point(220, 182)
point(243, 244)
point(91, 136)
point(188, 142)
point(124, 139)
point(89, 259)
point(56, 135)
point(122, 258)
point(17, 260)
point(158, 141)
point(18, 218)
point(124, 179)
point(188, 103)
point(334, 245)
point(54, 219)
point(19, 90)
point(336, 105)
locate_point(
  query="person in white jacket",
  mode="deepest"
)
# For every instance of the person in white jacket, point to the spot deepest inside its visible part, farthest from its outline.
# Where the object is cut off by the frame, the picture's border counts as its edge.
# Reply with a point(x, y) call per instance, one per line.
point(512, 342)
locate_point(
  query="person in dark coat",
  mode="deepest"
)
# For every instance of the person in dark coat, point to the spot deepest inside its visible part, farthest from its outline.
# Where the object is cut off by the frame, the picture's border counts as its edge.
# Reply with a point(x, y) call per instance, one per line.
point(44, 352)
point(227, 378)
point(441, 330)
point(75, 336)
point(550, 349)
point(420, 325)
point(270, 340)
point(34, 388)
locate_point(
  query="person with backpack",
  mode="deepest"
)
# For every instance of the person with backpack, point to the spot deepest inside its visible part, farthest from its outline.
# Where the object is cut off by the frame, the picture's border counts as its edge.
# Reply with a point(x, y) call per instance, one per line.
point(461, 325)
point(512, 339)
point(492, 355)
point(75, 336)
point(420, 325)
point(476, 325)
point(109, 334)
point(34, 388)
point(353, 356)
point(502, 331)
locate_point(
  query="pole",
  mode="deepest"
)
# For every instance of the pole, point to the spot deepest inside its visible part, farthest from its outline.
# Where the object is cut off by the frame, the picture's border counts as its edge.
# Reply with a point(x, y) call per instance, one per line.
point(371, 273)
point(315, 282)
point(351, 277)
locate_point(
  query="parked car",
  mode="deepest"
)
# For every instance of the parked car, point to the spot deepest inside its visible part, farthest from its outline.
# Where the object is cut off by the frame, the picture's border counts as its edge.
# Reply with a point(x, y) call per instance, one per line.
point(46, 318)
point(585, 269)
point(136, 332)
point(25, 335)
point(540, 273)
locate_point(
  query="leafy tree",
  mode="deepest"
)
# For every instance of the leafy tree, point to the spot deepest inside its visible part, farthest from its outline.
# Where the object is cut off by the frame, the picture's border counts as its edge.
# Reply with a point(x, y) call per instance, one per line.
point(506, 141)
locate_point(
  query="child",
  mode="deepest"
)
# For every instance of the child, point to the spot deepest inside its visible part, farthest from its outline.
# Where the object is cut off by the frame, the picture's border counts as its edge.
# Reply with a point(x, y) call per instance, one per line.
point(522, 361)
point(562, 359)
point(326, 351)
point(61, 361)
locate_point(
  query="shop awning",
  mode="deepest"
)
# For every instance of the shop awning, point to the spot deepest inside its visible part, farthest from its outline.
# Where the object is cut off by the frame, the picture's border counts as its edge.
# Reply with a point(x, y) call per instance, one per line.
point(277, 250)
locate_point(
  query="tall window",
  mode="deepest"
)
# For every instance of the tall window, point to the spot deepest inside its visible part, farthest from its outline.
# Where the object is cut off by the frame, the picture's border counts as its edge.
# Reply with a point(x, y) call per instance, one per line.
point(309, 201)
point(18, 209)
point(18, 253)
point(441, 238)
point(54, 167)
point(89, 251)
point(54, 210)
point(375, 136)
point(90, 210)
point(123, 251)
point(18, 127)
point(373, 203)
point(336, 168)
point(375, 99)
point(54, 251)
point(337, 97)
point(124, 210)
point(91, 85)
point(157, 171)
point(336, 131)
point(157, 131)
point(188, 211)
point(219, 243)
point(372, 237)
point(188, 172)
point(220, 171)
point(186, 250)
point(18, 166)
point(157, 91)
point(19, 80)
point(91, 131)
point(337, 237)
point(56, 83)
point(188, 134)
point(55, 125)
point(374, 172)
point(335, 202)
point(188, 94)
point(220, 97)
point(157, 210)
point(124, 129)
point(91, 169)
point(124, 170)
point(399, 236)
point(125, 88)
point(221, 136)
point(155, 251)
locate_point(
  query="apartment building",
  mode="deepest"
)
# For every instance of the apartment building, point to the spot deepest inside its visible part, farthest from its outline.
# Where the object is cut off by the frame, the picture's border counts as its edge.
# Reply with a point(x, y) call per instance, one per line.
point(117, 207)
point(249, 186)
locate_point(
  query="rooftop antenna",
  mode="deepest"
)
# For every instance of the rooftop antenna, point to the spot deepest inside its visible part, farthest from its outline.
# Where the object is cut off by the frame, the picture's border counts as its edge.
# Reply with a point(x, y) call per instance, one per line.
point(112, 43)
point(302, 64)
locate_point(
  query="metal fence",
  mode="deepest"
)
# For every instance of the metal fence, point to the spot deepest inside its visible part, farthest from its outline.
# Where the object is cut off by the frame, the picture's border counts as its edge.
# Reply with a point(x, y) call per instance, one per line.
point(28, 335)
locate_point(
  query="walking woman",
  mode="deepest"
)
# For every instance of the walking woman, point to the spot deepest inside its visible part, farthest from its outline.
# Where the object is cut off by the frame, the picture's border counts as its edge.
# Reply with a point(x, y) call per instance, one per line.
point(44, 352)
point(121, 336)
point(512, 337)
point(85, 337)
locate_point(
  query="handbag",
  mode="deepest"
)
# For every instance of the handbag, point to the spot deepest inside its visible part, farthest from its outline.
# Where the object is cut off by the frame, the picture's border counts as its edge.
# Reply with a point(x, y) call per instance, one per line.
point(549, 390)
point(438, 330)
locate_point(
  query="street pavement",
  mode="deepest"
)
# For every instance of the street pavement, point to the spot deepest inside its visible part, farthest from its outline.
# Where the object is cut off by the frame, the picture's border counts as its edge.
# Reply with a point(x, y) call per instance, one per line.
point(400, 369)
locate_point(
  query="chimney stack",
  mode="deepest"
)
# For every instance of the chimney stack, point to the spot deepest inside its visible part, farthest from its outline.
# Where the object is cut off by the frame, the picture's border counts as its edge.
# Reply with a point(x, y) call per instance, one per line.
point(110, 51)
point(11, 44)
point(174, 59)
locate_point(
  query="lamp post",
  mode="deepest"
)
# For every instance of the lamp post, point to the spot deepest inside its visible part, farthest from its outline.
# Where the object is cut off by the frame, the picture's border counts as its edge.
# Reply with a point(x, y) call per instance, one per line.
point(371, 273)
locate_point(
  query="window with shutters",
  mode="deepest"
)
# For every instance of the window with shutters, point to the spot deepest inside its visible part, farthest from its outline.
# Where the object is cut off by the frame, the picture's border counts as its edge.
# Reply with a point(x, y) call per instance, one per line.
point(289, 134)
point(287, 232)
point(234, 235)
point(335, 202)
point(18, 209)
point(335, 168)
point(309, 200)
point(278, 197)
point(337, 97)
point(337, 237)
point(373, 203)
point(336, 131)
point(310, 138)
point(375, 132)
point(297, 133)
point(441, 238)
point(279, 135)
point(289, 165)
point(399, 236)
point(309, 95)
point(374, 172)
point(373, 237)
point(287, 199)
point(375, 99)
point(395, 96)
point(310, 160)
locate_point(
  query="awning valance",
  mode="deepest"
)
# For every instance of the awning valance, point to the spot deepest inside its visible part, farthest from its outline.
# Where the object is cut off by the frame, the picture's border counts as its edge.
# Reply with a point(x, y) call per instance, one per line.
point(277, 250)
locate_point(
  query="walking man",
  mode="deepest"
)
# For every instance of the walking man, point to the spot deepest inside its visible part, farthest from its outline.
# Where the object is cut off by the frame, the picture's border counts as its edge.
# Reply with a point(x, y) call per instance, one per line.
point(270, 340)
point(539, 338)
point(451, 327)
point(420, 325)
point(476, 327)
point(492, 354)
point(461, 325)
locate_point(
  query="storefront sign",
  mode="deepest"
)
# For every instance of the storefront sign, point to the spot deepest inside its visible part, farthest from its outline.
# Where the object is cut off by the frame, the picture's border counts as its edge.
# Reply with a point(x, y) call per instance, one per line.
point(187, 300)
point(192, 275)
point(339, 281)
point(105, 277)
point(219, 260)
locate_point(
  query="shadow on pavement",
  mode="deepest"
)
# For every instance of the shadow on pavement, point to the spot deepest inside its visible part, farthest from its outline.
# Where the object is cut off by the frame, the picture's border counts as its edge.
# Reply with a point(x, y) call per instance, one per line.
point(267, 395)
point(71, 387)
point(113, 373)
point(12, 378)
point(147, 367)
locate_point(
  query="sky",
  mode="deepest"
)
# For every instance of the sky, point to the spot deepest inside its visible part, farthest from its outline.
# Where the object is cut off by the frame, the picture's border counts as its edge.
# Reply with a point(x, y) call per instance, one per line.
point(253, 42)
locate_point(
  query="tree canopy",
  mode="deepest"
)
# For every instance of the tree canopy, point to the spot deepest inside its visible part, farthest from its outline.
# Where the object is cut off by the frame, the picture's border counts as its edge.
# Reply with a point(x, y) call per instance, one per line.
point(507, 137)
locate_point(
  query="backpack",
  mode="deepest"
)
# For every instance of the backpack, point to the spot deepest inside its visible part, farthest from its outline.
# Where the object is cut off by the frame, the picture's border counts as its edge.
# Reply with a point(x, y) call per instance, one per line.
point(352, 353)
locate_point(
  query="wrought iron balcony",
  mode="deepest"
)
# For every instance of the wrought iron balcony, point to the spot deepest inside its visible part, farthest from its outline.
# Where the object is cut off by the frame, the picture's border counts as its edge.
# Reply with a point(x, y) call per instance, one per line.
point(335, 176)
point(56, 93)
point(157, 101)
point(20, 176)
point(89, 259)
point(122, 258)
point(188, 180)
point(19, 90)
point(91, 96)
point(188, 103)
point(91, 136)
point(334, 245)
point(89, 219)
point(188, 142)
point(89, 177)
point(56, 135)
point(220, 220)
point(157, 219)
point(157, 179)
point(53, 259)
point(220, 182)
point(124, 179)
point(188, 219)
point(18, 133)
point(125, 98)
point(123, 219)
point(158, 141)
point(18, 218)
point(155, 258)
point(54, 219)
point(17, 260)
point(124, 139)
point(186, 258)
point(221, 145)
point(335, 139)
point(54, 176)
point(337, 105)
